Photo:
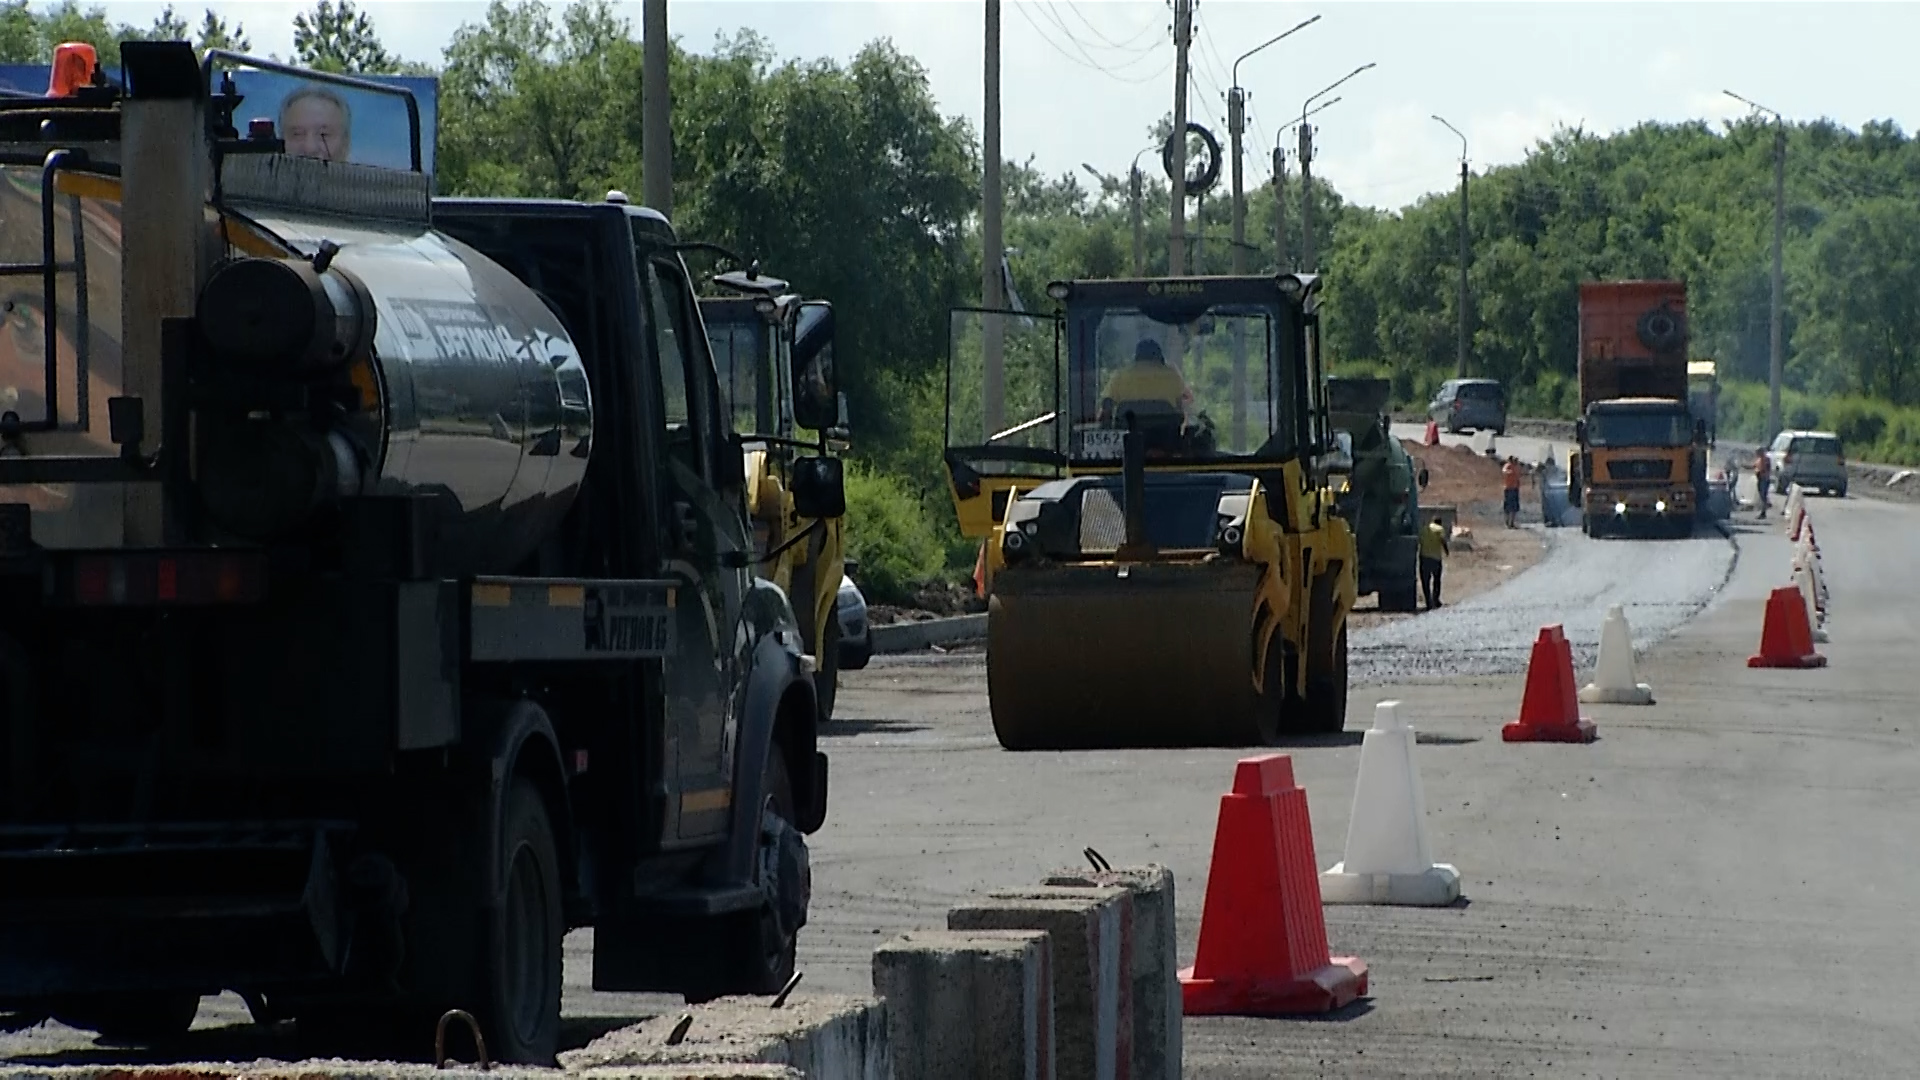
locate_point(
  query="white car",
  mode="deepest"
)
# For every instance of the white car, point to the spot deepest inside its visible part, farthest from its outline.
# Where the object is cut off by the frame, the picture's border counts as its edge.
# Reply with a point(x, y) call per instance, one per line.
point(1813, 459)
point(856, 638)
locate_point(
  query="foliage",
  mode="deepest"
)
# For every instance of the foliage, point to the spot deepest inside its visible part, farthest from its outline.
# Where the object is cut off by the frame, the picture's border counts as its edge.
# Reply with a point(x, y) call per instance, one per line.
point(336, 36)
point(889, 535)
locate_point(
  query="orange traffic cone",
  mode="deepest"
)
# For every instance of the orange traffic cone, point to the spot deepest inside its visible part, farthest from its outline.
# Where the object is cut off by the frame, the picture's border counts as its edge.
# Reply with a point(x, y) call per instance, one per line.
point(980, 572)
point(1433, 433)
point(1263, 938)
point(1786, 638)
point(1550, 711)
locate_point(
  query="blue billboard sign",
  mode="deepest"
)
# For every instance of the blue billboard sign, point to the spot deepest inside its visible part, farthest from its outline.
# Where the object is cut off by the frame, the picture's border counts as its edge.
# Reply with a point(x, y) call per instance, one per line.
point(317, 118)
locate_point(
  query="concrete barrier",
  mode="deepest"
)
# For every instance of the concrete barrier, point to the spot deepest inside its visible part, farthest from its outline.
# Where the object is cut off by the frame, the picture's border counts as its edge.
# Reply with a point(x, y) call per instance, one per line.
point(824, 1037)
point(968, 1004)
point(913, 636)
point(1155, 972)
point(1092, 937)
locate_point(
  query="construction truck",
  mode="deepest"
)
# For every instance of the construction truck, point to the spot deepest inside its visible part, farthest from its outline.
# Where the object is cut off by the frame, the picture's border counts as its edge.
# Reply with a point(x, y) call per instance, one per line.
point(377, 589)
point(1639, 464)
point(1154, 577)
point(1379, 496)
point(774, 352)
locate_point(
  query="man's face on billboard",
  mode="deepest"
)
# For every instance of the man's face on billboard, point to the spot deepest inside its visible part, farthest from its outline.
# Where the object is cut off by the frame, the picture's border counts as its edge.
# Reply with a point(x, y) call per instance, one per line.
point(315, 127)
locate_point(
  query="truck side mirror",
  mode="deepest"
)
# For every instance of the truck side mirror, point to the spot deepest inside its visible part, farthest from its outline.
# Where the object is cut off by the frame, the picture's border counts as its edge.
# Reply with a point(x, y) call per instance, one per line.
point(816, 397)
point(1700, 431)
point(1580, 431)
point(1423, 478)
point(819, 488)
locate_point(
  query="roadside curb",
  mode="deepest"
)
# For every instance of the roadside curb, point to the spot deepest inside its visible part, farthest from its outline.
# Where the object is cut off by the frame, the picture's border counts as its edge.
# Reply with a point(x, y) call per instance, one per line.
point(914, 636)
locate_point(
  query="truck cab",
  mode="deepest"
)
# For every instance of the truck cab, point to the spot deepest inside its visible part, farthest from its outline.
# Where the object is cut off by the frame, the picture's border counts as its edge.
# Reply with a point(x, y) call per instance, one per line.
point(774, 351)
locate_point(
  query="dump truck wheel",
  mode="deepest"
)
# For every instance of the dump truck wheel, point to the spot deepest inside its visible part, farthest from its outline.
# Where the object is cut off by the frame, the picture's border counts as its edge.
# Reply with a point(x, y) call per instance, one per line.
point(1407, 599)
point(523, 977)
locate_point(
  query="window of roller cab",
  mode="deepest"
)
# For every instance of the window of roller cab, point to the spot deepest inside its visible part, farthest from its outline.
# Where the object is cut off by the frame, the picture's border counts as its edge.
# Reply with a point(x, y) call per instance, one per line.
point(1241, 379)
point(742, 343)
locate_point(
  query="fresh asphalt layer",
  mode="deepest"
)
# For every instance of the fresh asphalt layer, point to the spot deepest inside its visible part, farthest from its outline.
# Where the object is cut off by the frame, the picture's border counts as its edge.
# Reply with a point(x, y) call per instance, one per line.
point(1719, 886)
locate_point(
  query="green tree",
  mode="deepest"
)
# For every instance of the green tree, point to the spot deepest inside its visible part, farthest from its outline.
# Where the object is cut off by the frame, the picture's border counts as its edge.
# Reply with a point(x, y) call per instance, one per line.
point(215, 34)
point(1859, 288)
point(339, 37)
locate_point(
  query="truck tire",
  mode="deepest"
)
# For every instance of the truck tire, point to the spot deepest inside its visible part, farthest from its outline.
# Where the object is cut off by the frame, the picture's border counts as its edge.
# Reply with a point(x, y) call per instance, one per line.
point(753, 952)
point(523, 973)
point(142, 1019)
point(1400, 599)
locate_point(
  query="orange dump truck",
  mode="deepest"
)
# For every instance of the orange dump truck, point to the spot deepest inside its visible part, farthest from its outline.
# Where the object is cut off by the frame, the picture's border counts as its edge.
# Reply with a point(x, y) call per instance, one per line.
point(1639, 467)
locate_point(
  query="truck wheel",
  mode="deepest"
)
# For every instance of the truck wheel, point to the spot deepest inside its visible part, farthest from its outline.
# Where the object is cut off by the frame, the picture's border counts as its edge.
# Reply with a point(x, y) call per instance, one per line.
point(525, 934)
point(142, 1019)
point(1406, 599)
point(755, 951)
point(826, 677)
point(773, 965)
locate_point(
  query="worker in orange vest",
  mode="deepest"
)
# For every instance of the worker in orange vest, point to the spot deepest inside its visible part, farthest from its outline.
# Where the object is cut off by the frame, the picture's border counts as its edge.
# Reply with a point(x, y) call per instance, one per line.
point(1510, 497)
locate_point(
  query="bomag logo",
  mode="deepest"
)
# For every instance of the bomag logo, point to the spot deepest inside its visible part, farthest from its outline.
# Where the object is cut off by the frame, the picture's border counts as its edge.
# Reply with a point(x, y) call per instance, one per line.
point(1175, 288)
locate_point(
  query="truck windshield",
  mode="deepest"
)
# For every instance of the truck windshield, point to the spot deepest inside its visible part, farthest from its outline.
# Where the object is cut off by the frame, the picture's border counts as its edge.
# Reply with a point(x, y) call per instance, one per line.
point(1216, 380)
point(744, 366)
point(1639, 429)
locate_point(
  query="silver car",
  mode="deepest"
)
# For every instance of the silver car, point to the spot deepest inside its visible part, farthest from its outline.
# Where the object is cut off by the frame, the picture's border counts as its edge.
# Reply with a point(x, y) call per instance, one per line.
point(1470, 405)
point(1813, 459)
point(856, 637)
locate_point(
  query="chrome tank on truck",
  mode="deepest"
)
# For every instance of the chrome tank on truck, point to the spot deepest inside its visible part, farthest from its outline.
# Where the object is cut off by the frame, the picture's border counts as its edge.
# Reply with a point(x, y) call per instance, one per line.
point(447, 376)
point(473, 391)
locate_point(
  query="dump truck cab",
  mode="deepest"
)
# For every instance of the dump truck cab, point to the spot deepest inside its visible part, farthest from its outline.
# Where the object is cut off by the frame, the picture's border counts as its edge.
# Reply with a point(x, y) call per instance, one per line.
point(1379, 495)
point(376, 592)
point(774, 351)
point(1164, 566)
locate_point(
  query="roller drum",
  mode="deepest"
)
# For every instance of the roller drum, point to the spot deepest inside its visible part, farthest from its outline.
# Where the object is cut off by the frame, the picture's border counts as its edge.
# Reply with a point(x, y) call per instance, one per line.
point(1079, 657)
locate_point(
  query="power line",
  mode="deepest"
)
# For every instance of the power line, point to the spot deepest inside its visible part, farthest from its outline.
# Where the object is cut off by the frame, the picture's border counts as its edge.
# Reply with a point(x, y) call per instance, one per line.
point(1126, 46)
point(1083, 60)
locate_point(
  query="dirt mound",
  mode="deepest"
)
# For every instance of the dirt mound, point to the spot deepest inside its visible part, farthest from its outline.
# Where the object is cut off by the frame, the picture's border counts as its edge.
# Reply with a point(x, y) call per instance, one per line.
point(1456, 476)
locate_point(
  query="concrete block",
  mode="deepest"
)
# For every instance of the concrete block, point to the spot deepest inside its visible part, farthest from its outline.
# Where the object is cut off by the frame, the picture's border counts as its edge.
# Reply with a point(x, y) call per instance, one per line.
point(824, 1037)
point(339, 1069)
point(968, 1004)
point(1092, 932)
point(1155, 972)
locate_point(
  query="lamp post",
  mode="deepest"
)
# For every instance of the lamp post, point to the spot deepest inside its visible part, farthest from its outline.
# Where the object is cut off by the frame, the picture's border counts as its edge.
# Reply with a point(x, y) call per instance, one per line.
point(1236, 126)
point(1134, 197)
point(1774, 346)
point(1306, 168)
point(1460, 356)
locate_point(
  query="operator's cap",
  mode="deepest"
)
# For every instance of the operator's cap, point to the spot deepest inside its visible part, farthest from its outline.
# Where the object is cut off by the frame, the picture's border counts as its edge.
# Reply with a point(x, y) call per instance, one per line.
point(1149, 349)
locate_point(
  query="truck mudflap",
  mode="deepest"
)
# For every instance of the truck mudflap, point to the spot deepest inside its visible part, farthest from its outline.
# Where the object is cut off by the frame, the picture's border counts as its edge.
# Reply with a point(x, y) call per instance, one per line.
point(105, 908)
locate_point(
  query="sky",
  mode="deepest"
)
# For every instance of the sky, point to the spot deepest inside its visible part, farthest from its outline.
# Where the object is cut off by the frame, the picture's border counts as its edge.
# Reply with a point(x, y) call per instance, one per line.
point(1082, 80)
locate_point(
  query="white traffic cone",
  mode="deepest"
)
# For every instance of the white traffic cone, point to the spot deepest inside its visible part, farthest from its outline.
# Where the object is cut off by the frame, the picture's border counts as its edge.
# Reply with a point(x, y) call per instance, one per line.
point(1796, 512)
point(1613, 678)
point(1388, 858)
point(1803, 580)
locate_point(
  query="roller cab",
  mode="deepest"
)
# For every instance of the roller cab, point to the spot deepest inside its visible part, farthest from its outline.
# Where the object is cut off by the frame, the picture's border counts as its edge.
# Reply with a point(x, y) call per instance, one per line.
point(1147, 468)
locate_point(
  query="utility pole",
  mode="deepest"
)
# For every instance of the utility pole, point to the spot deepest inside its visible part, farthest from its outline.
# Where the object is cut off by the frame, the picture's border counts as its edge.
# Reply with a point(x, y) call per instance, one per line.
point(1775, 346)
point(1460, 356)
point(1134, 181)
point(1236, 124)
point(990, 235)
point(1177, 236)
point(1306, 197)
point(656, 131)
point(1280, 208)
point(1307, 264)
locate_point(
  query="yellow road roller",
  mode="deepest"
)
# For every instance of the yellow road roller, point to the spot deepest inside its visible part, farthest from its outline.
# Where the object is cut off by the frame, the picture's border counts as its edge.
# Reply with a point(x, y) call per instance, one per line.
point(1147, 469)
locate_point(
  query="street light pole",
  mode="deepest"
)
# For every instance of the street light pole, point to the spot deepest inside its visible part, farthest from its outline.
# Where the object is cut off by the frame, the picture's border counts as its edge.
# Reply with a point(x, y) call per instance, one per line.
point(1460, 355)
point(1306, 170)
point(1236, 125)
point(1775, 348)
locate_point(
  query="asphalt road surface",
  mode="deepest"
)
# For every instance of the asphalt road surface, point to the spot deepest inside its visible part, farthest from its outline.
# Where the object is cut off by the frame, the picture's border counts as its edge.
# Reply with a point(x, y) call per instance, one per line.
point(1720, 886)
